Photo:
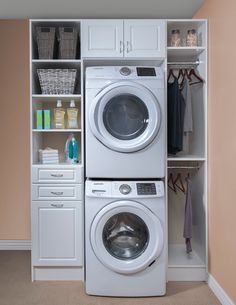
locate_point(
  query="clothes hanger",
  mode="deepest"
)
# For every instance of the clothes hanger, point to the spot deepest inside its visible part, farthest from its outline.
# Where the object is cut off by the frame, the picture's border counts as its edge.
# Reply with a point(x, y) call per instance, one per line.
point(193, 73)
point(171, 183)
point(180, 186)
point(181, 74)
point(171, 73)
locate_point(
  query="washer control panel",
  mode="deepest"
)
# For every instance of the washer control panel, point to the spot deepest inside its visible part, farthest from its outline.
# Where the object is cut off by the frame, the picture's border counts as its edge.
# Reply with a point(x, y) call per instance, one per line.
point(146, 189)
point(125, 189)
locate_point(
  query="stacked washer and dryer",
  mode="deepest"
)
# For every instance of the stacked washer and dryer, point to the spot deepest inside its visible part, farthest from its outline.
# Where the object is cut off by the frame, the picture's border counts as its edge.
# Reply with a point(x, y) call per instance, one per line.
point(125, 208)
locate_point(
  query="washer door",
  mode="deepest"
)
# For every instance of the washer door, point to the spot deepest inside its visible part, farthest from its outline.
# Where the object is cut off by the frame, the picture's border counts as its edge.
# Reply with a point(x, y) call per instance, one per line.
point(126, 237)
point(125, 116)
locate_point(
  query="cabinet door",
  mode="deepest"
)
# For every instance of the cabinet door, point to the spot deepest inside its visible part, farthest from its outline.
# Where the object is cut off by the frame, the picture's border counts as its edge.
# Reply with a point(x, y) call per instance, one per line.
point(57, 233)
point(102, 38)
point(144, 38)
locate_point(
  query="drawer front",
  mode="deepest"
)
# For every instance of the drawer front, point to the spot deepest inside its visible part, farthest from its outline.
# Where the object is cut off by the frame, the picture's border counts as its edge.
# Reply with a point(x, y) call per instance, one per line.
point(56, 175)
point(56, 192)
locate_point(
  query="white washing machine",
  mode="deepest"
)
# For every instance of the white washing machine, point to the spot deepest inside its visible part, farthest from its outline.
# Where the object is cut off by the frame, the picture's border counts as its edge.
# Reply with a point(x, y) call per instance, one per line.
point(125, 237)
point(125, 122)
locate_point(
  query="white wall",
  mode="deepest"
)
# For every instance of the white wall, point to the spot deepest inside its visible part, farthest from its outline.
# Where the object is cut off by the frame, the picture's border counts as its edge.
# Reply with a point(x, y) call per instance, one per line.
point(20, 9)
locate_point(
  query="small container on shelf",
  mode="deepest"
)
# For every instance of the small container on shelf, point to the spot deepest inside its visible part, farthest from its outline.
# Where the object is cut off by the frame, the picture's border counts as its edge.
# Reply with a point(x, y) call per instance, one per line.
point(46, 119)
point(45, 37)
point(72, 116)
point(57, 81)
point(59, 116)
point(67, 38)
point(175, 39)
point(39, 119)
point(192, 38)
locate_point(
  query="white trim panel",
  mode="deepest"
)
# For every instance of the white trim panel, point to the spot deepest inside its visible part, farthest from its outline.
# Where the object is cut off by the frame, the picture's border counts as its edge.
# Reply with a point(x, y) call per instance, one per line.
point(15, 244)
point(219, 291)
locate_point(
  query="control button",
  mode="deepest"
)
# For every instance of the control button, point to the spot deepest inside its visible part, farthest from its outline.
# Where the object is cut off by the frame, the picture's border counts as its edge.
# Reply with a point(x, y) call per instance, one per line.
point(125, 71)
point(125, 189)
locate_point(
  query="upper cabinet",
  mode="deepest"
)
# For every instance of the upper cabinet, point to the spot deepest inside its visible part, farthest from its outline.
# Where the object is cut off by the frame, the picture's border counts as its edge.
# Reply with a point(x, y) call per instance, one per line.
point(144, 38)
point(123, 38)
point(102, 38)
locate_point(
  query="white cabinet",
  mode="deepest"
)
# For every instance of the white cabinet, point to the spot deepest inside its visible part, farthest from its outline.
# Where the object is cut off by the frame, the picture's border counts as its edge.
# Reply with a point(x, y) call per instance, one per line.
point(102, 38)
point(57, 233)
point(144, 38)
point(123, 38)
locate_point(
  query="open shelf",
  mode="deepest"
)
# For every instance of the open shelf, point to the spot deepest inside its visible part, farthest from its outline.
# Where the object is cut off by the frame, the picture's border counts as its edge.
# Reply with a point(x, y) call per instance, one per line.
point(38, 61)
point(184, 53)
point(56, 130)
point(54, 97)
point(179, 258)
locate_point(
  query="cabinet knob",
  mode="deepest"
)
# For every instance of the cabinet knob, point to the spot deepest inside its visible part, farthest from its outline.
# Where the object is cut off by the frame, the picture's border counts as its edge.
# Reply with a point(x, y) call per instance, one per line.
point(57, 205)
point(57, 175)
point(57, 193)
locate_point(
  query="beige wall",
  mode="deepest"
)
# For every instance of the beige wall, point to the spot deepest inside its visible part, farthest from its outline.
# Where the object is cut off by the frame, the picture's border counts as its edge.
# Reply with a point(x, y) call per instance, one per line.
point(222, 141)
point(14, 131)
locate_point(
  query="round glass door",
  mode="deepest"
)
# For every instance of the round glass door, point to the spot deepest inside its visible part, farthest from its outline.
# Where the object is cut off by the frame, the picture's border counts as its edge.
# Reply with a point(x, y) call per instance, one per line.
point(126, 236)
point(125, 116)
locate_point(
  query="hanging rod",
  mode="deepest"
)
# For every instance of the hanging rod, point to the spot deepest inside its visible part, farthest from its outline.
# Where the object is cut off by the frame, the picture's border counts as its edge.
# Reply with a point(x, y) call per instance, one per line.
point(183, 167)
point(184, 63)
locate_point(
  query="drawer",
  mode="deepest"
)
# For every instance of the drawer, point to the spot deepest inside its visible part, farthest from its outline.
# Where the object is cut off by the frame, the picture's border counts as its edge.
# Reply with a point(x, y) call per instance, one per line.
point(56, 192)
point(67, 174)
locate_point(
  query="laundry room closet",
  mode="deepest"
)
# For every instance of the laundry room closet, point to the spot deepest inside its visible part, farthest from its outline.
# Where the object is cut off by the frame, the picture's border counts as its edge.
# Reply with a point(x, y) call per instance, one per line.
point(189, 162)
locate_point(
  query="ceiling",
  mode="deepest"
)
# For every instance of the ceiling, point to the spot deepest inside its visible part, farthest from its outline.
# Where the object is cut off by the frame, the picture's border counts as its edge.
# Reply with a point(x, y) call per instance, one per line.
point(24, 9)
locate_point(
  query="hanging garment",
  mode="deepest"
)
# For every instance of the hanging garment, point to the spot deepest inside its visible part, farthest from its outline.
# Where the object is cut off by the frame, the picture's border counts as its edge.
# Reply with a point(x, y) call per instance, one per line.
point(188, 221)
point(188, 114)
point(176, 109)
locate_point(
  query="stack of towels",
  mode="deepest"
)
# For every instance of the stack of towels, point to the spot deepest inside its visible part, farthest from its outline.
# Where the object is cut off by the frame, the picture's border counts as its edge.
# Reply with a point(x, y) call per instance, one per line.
point(48, 156)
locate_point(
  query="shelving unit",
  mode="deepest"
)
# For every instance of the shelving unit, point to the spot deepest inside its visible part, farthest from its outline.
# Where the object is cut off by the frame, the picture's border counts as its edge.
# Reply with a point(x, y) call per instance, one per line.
point(193, 161)
point(57, 189)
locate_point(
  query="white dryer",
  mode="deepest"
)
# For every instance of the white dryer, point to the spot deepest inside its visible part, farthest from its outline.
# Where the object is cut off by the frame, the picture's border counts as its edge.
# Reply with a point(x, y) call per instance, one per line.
point(125, 238)
point(125, 122)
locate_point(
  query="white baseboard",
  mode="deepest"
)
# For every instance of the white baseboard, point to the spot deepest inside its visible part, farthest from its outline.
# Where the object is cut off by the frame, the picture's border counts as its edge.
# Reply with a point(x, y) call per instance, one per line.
point(15, 244)
point(219, 291)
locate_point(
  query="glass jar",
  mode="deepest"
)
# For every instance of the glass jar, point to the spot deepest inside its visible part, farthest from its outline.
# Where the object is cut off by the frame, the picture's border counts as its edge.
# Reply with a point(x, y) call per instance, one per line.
point(192, 40)
point(175, 40)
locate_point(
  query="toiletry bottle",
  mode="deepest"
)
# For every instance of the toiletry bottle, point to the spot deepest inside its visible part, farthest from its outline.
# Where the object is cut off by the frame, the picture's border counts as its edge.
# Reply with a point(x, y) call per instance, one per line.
point(59, 116)
point(72, 116)
point(73, 150)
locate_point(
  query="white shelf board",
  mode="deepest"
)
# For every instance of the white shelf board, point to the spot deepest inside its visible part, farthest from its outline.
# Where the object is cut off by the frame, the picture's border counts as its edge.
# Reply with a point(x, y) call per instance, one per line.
point(56, 61)
point(179, 258)
point(183, 53)
point(54, 97)
point(62, 164)
point(186, 158)
point(57, 130)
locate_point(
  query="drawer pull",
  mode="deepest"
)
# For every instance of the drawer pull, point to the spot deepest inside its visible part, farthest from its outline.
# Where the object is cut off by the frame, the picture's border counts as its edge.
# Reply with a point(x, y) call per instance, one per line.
point(57, 205)
point(57, 193)
point(57, 175)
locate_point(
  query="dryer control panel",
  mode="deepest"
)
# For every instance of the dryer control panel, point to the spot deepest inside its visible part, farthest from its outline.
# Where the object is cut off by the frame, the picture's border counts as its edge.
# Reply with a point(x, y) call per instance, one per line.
point(124, 189)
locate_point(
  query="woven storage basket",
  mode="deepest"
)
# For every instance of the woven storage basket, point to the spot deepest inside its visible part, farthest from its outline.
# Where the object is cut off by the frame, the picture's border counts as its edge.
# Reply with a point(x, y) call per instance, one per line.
point(57, 81)
point(67, 37)
point(45, 37)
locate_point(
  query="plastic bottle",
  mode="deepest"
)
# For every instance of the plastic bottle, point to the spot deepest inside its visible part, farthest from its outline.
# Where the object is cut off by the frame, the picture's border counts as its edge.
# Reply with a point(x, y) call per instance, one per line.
point(72, 116)
point(71, 150)
point(59, 116)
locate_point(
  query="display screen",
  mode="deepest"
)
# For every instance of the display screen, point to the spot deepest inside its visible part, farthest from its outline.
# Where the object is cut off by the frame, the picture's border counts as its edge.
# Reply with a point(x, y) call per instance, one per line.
point(146, 188)
point(146, 71)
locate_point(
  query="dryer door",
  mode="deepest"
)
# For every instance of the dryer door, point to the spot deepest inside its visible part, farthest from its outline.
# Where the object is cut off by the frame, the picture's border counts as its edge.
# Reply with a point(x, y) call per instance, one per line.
point(126, 237)
point(125, 116)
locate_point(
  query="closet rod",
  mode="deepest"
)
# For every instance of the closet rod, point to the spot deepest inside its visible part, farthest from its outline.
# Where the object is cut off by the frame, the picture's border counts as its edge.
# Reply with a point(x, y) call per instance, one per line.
point(184, 63)
point(183, 167)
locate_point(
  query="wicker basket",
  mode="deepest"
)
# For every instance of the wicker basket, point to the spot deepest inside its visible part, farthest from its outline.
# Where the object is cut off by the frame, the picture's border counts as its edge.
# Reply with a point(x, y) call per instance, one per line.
point(67, 38)
point(45, 37)
point(57, 81)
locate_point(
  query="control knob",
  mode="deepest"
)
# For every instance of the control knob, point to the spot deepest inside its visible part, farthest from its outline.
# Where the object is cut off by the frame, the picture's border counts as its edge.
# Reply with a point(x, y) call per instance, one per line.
point(125, 71)
point(125, 189)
